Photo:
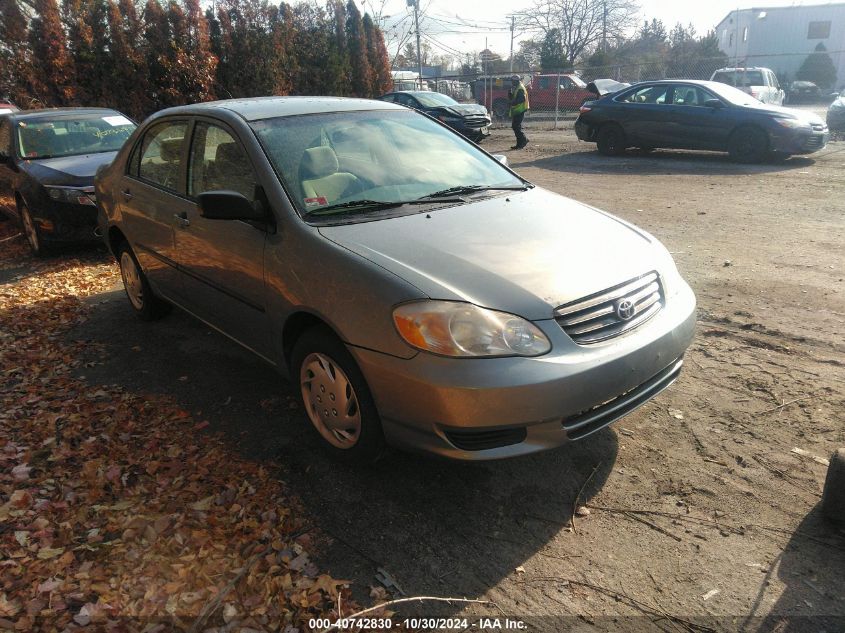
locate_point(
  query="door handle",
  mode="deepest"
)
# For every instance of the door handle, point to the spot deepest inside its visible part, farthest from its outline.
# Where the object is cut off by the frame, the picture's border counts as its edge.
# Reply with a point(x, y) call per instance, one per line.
point(182, 219)
point(127, 195)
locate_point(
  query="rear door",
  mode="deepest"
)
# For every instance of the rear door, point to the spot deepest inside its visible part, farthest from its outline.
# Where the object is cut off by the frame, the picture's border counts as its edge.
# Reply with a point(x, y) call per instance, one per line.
point(152, 199)
point(222, 261)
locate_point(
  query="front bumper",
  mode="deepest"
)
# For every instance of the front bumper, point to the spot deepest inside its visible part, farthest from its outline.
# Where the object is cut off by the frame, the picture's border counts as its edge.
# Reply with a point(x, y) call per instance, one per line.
point(474, 132)
point(64, 223)
point(836, 119)
point(801, 141)
point(479, 409)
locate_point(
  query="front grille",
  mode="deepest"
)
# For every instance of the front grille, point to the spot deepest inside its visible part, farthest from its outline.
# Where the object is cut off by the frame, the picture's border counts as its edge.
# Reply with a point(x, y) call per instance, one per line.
point(612, 312)
point(814, 142)
point(817, 127)
point(602, 414)
point(479, 440)
point(478, 121)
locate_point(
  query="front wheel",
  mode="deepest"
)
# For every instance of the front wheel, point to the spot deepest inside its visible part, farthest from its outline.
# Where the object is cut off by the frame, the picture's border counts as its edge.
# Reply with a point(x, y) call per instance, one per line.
point(336, 397)
point(33, 237)
point(145, 303)
point(748, 145)
point(611, 140)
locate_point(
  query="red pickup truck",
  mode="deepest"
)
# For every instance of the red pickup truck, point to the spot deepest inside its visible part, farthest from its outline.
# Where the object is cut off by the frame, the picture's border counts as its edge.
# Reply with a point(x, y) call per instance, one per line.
point(543, 94)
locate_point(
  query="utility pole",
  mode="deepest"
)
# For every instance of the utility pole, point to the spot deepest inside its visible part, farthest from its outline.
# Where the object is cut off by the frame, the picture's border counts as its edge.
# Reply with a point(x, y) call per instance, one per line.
point(604, 27)
point(513, 27)
point(416, 4)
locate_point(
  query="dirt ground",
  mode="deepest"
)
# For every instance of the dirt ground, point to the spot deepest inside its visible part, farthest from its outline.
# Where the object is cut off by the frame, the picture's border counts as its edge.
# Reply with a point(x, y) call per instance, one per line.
point(701, 515)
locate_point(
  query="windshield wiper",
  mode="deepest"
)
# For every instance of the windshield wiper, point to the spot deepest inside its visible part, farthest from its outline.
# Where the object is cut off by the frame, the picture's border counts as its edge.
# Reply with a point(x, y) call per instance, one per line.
point(464, 189)
point(375, 205)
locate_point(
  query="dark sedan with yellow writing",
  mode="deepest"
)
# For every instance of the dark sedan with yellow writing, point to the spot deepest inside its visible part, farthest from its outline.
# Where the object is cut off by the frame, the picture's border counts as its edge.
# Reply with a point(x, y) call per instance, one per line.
point(48, 159)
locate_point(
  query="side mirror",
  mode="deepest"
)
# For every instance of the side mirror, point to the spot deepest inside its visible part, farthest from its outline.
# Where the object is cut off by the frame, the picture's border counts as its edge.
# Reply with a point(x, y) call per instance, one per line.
point(713, 103)
point(501, 158)
point(228, 205)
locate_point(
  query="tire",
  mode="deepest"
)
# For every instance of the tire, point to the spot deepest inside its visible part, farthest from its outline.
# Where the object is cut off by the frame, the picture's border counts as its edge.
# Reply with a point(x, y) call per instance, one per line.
point(833, 498)
point(328, 375)
point(611, 140)
point(30, 231)
point(748, 145)
point(144, 302)
point(500, 108)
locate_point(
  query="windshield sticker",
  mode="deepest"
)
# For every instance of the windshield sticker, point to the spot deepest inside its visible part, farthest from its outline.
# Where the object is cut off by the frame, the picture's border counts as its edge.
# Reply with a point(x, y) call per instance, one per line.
point(320, 201)
point(115, 121)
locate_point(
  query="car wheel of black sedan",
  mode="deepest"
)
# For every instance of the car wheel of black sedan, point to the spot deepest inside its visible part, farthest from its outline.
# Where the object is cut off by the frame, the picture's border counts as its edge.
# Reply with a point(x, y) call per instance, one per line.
point(336, 397)
point(145, 303)
point(31, 233)
point(748, 145)
point(611, 140)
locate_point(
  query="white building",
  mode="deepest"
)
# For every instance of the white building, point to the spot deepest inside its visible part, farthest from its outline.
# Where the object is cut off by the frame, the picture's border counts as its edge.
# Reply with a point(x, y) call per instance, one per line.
point(780, 38)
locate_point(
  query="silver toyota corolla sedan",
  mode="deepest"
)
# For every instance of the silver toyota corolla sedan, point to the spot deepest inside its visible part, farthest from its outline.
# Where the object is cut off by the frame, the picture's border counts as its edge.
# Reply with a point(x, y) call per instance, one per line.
point(419, 292)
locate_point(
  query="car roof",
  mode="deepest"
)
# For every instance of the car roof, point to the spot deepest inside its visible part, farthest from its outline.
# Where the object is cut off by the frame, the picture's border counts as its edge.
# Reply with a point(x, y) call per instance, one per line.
point(660, 82)
point(257, 108)
point(51, 112)
point(721, 70)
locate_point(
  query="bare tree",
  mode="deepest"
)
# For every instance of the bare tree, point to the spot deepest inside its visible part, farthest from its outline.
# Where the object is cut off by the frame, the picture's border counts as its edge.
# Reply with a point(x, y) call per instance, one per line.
point(583, 24)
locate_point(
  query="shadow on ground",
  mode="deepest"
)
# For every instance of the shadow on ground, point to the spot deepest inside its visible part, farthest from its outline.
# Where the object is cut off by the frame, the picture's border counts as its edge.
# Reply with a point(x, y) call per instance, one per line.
point(663, 162)
point(437, 527)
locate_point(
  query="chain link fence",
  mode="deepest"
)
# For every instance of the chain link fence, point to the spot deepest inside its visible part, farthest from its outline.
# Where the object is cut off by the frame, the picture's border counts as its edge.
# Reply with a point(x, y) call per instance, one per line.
point(555, 96)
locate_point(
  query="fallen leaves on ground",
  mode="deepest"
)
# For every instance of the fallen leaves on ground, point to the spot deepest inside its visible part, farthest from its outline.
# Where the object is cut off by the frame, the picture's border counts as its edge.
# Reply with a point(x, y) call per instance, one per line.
point(114, 513)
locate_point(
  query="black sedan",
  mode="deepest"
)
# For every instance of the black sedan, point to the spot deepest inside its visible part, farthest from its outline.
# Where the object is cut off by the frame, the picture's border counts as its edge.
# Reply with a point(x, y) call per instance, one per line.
point(469, 119)
point(48, 159)
point(803, 92)
point(706, 115)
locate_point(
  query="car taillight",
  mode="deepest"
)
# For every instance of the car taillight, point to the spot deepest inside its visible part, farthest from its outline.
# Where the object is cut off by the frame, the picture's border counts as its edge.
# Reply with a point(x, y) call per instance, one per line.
point(584, 108)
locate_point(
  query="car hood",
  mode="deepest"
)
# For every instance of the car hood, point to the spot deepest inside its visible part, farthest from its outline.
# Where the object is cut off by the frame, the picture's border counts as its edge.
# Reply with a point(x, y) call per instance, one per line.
point(839, 103)
point(68, 170)
point(802, 115)
point(525, 252)
point(464, 109)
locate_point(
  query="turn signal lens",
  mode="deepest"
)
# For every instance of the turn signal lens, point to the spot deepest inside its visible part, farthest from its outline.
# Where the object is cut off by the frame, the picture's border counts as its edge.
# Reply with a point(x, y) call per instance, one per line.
point(452, 328)
point(584, 108)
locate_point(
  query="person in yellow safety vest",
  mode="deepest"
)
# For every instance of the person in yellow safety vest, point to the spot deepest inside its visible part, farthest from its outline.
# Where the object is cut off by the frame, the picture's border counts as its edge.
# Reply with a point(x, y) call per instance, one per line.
point(518, 107)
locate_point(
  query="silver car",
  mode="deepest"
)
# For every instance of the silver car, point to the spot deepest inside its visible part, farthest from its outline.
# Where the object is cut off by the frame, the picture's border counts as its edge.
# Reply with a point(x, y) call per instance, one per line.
point(419, 292)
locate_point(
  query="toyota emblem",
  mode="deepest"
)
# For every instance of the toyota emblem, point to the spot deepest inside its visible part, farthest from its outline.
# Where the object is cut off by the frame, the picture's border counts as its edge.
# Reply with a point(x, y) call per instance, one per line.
point(625, 309)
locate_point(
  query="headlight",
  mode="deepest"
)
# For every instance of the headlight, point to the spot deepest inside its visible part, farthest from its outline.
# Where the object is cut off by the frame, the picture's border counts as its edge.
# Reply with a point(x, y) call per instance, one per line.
point(452, 328)
point(72, 195)
point(791, 123)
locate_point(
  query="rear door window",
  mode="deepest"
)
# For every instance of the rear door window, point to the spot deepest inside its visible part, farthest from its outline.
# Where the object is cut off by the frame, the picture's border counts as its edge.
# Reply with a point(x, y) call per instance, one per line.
point(161, 155)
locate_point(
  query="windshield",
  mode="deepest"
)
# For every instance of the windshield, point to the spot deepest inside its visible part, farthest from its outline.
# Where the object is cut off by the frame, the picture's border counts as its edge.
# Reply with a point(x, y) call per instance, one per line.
point(387, 156)
point(72, 135)
point(734, 95)
point(434, 99)
point(740, 78)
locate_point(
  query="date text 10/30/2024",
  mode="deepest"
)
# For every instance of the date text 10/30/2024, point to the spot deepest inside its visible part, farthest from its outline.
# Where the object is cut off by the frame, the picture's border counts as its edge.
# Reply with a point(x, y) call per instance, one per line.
point(431, 624)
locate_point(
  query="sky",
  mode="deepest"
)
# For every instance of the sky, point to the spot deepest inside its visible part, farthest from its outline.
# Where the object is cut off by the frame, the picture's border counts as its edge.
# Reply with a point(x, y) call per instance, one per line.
point(462, 26)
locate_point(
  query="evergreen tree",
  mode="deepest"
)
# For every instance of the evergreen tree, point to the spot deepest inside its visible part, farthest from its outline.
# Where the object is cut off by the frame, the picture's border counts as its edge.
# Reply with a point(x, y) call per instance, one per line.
point(362, 73)
point(338, 76)
point(818, 68)
point(157, 43)
point(381, 80)
point(284, 53)
point(129, 68)
point(551, 52)
point(15, 55)
point(53, 79)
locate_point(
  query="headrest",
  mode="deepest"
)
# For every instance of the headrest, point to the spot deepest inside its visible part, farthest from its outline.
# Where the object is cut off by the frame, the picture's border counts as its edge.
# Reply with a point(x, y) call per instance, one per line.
point(229, 153)
point(319, 162)
point(171, 150)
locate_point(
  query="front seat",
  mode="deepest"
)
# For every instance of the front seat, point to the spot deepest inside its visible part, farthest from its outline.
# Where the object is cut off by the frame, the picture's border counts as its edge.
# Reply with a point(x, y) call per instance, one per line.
point(321, 178)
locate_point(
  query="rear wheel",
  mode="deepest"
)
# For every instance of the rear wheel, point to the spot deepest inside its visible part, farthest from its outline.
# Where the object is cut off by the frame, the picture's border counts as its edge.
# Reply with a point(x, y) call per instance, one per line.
point(611, 140)
point(145, 303)
point(748, 145)
point(336, 397)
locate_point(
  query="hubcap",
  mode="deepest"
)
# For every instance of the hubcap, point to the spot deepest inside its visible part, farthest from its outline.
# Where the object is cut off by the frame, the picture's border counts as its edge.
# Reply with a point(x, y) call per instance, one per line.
point(132, 281)
point(29, 229)
point(330, 400)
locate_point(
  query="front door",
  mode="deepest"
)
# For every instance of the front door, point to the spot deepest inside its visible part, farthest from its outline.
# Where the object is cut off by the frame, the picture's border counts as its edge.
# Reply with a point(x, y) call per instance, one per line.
point(222, 261)
point(151, 197)
point(692, 125)
point(7, 174)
